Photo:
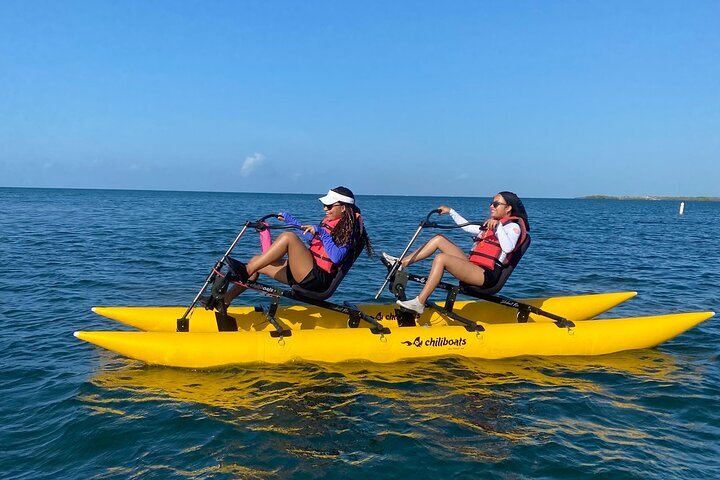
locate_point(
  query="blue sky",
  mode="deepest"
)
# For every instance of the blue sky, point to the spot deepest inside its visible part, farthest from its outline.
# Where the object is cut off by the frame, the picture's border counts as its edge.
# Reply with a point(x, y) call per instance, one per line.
point(549, 99)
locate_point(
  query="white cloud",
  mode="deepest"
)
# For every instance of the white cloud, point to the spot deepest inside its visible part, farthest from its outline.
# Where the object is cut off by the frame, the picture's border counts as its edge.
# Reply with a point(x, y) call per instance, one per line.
point(251, 163)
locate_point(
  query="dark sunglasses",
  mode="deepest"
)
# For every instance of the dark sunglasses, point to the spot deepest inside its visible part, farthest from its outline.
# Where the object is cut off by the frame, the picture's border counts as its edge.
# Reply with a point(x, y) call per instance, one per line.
point(496, 204)
point(330, 207)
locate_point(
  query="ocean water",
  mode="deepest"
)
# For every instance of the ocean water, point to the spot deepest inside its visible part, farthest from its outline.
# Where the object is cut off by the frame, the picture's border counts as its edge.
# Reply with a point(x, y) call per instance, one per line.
point(71, 410)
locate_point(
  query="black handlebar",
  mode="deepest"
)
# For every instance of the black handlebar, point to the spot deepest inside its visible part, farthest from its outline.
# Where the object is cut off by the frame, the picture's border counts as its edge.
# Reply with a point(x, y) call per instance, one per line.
point(428, 224)
point(261, 225)
point(270, 215)
point(427, 221)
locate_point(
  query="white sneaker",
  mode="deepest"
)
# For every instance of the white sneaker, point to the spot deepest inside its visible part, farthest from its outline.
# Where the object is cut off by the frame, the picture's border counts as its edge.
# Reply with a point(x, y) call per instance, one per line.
point(391, 260)
point(415, 305)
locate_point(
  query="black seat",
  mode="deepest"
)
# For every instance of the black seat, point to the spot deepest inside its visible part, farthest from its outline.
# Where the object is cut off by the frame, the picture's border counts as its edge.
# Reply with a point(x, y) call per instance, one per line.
point(345, 267)
point(504, 275)
point(234, 266)
point(313, 295)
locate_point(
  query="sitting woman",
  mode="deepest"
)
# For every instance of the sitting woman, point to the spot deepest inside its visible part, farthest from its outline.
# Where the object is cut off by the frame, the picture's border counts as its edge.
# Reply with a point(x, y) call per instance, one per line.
point(495, 241)
point(340, 234)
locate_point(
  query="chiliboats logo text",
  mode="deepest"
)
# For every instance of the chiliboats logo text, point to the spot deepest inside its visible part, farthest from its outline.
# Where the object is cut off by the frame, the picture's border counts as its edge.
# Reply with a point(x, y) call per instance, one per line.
point(436, 342)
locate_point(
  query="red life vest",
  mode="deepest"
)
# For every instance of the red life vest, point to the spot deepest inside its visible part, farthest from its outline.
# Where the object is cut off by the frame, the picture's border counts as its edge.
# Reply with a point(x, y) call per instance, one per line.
point(318, 251)
point(486, 251)
point(317, 248)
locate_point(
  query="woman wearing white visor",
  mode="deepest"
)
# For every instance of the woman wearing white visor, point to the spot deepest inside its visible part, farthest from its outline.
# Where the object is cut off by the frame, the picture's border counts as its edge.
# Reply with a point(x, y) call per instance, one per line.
point(340, 233)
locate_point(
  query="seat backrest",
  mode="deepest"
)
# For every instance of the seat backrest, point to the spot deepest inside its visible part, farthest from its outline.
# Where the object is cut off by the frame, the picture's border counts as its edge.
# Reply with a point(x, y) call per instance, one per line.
point(342, 270)
point(504, 275)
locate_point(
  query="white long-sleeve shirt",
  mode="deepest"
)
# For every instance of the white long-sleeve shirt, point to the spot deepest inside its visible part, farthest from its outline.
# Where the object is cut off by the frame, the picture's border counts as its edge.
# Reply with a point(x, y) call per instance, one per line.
point(507, 234)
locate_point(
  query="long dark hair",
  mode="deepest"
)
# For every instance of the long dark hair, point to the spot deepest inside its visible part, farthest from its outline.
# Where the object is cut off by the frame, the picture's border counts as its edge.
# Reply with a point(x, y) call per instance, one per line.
point(351, 227)
point(518, 209)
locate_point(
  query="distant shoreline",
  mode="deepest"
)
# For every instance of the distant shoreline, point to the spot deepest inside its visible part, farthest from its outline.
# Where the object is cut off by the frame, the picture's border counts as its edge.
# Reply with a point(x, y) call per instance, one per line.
point(586, 197)
point(651, 197)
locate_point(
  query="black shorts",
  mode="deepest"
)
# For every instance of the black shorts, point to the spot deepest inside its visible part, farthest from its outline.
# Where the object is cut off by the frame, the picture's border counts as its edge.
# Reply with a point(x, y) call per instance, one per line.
point(491, 277)
point(318, 280)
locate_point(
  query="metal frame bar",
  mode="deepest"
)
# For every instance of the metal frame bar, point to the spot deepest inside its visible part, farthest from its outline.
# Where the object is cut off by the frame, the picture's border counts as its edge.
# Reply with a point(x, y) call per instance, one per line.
point(524, 309)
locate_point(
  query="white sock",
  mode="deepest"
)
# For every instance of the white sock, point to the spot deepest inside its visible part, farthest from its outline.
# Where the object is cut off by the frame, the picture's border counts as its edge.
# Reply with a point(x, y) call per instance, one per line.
point(414, 304)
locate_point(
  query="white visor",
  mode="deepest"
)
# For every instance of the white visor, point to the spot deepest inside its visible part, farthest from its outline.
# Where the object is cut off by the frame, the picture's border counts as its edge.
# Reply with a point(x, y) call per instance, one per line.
point(334, 197)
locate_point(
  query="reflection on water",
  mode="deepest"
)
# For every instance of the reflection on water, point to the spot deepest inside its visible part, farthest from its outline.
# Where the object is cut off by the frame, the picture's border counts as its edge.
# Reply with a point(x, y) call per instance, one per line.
point(254, 386)
point(350, 412)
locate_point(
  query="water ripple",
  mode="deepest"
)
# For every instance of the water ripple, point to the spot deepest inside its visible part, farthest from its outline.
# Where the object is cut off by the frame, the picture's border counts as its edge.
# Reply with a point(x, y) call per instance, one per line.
point(72, 410)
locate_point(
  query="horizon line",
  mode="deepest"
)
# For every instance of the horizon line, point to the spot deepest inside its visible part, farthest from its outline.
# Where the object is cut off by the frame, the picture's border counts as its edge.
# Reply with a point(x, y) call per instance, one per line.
point(254, 192)
point(582, 197)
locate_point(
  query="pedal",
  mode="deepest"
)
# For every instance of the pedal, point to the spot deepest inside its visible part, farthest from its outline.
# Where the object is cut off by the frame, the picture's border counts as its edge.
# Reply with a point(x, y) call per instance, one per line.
point(406, 318)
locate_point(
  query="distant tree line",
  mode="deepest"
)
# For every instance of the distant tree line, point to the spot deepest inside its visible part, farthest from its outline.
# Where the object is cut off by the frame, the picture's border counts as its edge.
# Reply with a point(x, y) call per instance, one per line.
point(648, 197)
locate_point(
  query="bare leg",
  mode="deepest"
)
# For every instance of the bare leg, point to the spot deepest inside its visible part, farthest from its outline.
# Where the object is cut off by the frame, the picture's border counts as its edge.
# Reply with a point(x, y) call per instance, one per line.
point(276, 270)
point(460, 268)
point(270, 263)
point(438, 242)
point(300, 260)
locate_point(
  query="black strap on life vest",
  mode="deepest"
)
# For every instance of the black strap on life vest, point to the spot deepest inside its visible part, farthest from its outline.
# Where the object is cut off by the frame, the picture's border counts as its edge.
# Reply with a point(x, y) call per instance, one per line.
point(508, 256)
point(334, 267)
point(497, 262)
point(357, 244)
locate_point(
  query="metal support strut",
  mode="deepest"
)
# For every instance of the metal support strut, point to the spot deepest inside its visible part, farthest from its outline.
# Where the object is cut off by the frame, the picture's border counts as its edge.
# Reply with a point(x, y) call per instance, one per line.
point(470, 326)
point(356, 315)
point(270, 315)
